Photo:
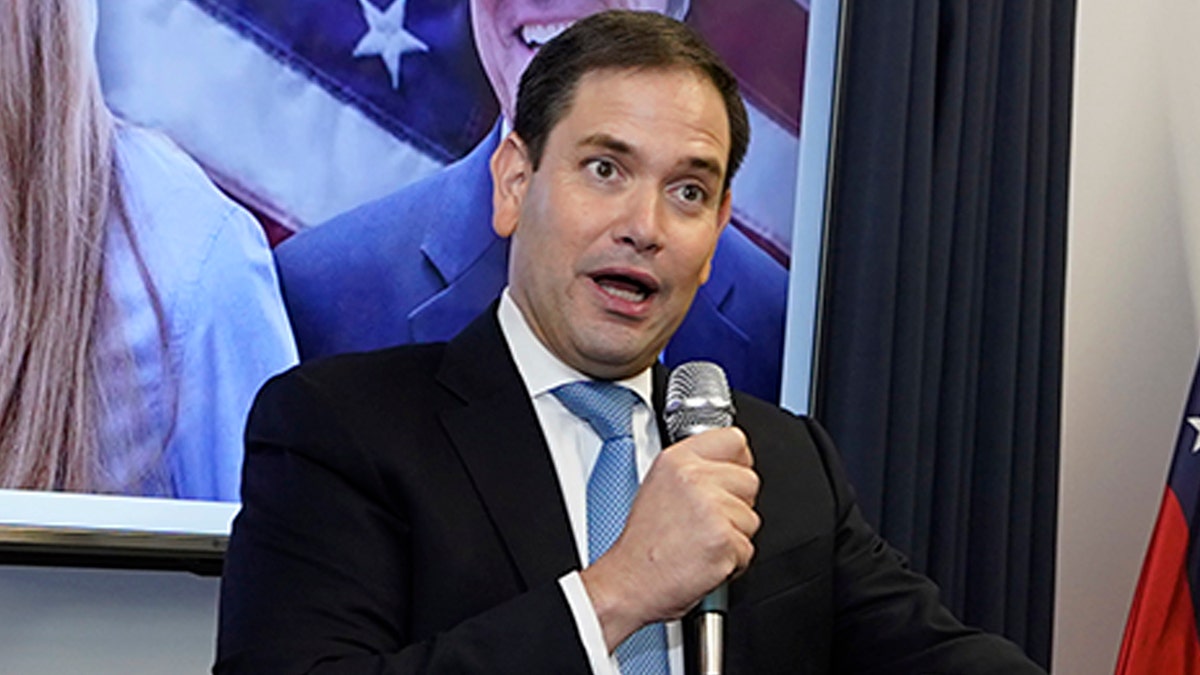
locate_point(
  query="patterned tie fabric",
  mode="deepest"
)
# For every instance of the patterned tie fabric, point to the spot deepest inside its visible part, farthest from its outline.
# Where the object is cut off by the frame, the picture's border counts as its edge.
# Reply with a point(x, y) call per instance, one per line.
point(608, 408)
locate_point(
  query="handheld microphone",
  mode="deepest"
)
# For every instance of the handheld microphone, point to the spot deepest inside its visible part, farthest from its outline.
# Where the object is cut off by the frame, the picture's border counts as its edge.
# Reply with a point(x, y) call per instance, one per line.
point(698, 400)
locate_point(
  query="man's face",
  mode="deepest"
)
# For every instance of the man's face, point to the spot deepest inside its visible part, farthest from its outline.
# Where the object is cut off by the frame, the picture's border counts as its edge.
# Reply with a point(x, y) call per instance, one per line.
point(509, 32)
point(615, 230)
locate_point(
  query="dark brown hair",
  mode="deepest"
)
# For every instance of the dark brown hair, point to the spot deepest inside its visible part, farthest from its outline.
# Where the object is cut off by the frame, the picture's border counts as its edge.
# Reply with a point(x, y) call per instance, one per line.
point(619, 40)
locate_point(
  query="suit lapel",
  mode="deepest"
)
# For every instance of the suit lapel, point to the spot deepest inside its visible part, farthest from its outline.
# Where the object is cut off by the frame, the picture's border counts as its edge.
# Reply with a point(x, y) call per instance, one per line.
point(442, 315)
point(707, 333)
point(459, 243)
point(499, 440)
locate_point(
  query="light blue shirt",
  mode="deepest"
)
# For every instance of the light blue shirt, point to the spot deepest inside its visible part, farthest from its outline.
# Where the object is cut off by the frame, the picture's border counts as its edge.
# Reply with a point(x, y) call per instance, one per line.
point(222, 329)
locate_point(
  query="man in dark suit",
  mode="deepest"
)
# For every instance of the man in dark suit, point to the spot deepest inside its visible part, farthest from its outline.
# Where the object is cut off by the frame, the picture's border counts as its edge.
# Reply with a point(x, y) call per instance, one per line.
point(418, 264)
point(430, 509)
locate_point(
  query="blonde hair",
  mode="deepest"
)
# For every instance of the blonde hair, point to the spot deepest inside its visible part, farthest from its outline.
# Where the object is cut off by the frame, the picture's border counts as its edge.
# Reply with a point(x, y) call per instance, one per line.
point(58, 187)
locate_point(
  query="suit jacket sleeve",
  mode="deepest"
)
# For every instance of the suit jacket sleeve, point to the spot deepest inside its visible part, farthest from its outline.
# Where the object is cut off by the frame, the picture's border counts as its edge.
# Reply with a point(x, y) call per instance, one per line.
point(889, 619)
point(318, 575)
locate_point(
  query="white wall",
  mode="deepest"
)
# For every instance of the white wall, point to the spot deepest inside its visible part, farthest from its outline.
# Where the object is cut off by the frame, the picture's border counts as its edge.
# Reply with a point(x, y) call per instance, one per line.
point(91, 622)
point(1131, 323)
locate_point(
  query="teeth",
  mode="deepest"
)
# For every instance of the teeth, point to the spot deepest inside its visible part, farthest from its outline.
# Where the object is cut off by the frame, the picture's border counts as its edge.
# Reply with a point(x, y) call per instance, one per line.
point(535, 36)
point(623, 293)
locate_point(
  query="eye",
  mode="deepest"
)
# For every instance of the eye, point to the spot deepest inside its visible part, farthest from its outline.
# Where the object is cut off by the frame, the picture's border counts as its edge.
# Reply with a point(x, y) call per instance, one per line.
point(602, 168)
point(693, 193)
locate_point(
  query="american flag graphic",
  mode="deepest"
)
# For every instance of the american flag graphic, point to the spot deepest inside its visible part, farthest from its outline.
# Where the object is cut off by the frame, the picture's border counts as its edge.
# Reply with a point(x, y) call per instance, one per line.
point(304, 109)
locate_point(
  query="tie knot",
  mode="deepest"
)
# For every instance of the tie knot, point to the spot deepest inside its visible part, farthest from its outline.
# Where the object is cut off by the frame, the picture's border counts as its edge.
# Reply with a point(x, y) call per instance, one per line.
point(607, 407)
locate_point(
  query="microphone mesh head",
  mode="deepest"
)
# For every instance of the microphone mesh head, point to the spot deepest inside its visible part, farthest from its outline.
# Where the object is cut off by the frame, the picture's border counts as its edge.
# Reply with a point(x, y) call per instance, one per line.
point(698, 399)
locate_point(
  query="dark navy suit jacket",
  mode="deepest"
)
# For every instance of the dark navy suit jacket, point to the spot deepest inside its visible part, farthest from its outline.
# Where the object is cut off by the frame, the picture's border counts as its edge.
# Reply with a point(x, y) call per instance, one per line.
point(401, 514)
point(419, 264)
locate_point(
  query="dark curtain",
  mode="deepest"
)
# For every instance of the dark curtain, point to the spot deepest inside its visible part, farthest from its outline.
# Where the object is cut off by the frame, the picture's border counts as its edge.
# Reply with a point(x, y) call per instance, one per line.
point(941, 345)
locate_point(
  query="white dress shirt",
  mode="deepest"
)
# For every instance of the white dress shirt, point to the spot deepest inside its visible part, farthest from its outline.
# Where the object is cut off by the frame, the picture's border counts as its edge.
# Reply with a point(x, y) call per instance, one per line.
point(574, 447)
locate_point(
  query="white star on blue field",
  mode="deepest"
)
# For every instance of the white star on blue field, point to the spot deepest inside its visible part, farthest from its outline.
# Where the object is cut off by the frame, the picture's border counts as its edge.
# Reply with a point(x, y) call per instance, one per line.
point(387, 38)
point(1194, 422)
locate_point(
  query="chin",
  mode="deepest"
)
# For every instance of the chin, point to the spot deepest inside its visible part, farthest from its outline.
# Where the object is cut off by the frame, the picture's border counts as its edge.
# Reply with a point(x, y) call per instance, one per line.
point(619, 364)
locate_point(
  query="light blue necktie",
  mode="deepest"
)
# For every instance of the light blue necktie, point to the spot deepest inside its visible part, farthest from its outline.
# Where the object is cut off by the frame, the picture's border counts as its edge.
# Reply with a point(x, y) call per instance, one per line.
point(608, 408)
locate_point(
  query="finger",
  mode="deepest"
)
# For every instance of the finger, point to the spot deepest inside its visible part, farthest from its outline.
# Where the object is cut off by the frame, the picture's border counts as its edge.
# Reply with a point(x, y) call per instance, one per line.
point(688, 473)
point(740, 446)
point(742, 482)
point(743, 554)
point(727, 444)
point(740, 516)
point(741, 550)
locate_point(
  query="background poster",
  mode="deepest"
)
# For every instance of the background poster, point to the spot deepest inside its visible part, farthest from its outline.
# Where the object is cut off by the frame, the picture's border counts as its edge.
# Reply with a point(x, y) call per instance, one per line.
point(301, 110)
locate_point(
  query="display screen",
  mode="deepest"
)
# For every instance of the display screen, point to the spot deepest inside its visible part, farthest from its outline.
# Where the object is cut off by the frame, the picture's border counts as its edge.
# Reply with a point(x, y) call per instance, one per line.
point(300, 178)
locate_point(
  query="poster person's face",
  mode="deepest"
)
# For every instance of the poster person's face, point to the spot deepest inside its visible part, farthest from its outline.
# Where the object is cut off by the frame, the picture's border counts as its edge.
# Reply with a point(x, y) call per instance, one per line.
point(508, 33)
point(615, 230)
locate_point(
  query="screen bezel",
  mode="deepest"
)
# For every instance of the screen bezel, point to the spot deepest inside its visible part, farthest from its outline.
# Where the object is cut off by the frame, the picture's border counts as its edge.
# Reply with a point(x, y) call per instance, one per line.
point(76, 529)
point(818, 139)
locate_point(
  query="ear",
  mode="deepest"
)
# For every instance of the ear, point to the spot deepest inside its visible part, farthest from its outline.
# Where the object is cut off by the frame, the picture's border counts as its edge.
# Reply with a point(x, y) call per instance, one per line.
point(723, 215)
point(510, 178)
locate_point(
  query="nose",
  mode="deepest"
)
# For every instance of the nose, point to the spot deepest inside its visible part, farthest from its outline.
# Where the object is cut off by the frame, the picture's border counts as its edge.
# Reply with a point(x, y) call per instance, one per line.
point(641, 222)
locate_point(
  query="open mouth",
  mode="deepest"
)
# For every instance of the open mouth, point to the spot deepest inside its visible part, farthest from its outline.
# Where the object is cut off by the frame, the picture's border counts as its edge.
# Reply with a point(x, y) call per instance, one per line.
point(625, 287)
point(536, 35)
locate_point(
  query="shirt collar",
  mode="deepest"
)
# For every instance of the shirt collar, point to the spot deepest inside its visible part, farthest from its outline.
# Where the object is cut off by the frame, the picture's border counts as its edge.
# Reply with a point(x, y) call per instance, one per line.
point(540, 369)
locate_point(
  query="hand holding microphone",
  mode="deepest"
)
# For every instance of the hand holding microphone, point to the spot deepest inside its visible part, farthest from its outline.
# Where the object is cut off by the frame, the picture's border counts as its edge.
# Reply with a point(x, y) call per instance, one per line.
point(698, 400)
point(690, 526)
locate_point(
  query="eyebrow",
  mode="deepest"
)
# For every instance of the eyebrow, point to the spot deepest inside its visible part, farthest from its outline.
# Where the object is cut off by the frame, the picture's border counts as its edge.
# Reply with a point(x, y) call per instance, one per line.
point(617, 146)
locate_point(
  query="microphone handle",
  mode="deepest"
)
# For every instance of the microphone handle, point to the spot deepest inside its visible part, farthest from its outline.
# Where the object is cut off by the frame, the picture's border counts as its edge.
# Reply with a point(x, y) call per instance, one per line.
point(711, 624)
point(711, 627)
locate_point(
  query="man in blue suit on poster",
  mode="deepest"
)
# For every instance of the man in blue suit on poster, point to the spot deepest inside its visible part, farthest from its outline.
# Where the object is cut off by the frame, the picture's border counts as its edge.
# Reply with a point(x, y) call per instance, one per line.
point(357, 282)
